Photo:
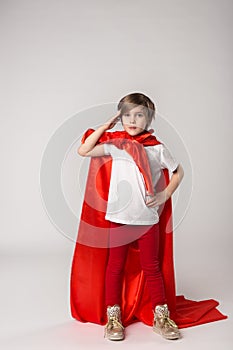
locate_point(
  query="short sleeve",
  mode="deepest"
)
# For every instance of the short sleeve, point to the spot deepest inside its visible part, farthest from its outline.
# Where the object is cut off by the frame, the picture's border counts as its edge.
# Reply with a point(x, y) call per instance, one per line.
point(107, 149)
point(115, 152)
point(167, 160)
point(111, 150)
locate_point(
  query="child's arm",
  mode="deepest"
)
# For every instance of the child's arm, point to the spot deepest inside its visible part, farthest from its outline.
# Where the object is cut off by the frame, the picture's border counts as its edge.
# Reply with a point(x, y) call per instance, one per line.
point(89, 147)
point(163, 196)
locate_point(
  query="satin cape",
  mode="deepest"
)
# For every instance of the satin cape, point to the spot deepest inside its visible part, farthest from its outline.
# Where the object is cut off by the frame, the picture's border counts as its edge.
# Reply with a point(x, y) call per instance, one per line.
point(87, 282)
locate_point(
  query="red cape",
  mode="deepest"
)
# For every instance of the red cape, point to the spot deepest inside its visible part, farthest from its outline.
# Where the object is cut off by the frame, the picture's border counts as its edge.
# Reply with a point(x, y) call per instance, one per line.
point(91, 255)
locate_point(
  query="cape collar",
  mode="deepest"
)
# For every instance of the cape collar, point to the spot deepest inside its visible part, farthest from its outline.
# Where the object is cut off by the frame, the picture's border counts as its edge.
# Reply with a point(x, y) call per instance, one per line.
point(146, 138)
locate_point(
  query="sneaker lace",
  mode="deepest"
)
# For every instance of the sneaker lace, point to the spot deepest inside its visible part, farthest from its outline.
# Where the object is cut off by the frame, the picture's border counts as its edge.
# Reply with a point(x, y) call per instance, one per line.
point(168, 322)
point(113, 322)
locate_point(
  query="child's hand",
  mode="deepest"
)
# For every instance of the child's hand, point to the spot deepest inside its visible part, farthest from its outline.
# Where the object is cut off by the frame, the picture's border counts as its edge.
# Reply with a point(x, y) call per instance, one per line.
point(158, 199)
point(112, 121)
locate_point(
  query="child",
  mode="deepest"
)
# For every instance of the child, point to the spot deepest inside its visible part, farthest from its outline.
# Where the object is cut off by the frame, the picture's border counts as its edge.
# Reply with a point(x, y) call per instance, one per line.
point(136, 217)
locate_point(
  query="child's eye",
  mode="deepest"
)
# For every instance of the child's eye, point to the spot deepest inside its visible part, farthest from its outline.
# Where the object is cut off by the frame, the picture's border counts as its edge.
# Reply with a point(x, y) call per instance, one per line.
point(140, 114)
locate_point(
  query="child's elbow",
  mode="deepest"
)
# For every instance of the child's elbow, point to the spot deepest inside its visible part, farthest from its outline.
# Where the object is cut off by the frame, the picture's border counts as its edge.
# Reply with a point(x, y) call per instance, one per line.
point(81, 152)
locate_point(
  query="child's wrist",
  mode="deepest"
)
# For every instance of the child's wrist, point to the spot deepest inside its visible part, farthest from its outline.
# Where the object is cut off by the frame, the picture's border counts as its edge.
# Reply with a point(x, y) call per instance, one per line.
point(103, 127)
point(168, 194)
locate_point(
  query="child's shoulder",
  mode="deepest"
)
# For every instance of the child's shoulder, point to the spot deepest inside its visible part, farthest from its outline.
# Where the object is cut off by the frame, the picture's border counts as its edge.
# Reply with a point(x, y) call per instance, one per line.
point(157, 150)
point(158, 147)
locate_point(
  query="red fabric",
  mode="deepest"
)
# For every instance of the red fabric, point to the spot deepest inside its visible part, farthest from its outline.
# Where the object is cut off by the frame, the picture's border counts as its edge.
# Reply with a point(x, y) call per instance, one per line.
point(87, 284)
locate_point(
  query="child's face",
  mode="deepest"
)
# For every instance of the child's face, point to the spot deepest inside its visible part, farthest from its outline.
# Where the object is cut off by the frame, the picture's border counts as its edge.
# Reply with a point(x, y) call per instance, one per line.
point(134, 121)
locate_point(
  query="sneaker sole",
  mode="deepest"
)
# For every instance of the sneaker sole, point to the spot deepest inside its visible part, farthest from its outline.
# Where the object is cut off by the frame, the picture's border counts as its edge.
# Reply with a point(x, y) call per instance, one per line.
point(172, 337)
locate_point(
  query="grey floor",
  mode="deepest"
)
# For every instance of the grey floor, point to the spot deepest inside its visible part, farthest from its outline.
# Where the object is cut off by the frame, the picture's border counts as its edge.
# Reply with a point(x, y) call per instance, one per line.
point(34, 303)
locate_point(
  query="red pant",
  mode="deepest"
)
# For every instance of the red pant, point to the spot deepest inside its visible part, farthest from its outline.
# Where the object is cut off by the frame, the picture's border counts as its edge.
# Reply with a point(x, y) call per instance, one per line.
point(148, 243)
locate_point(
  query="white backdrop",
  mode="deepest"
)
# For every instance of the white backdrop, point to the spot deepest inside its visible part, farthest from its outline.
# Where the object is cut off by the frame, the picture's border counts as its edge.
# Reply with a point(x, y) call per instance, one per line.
point(62, 57)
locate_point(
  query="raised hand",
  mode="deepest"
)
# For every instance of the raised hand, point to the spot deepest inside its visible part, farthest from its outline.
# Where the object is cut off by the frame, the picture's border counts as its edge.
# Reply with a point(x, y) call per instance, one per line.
point(112, 121)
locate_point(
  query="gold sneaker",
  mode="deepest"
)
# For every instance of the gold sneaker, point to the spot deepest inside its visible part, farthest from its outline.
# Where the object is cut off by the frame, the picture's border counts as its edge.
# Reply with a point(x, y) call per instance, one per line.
point(163, 325)
point(114, 329)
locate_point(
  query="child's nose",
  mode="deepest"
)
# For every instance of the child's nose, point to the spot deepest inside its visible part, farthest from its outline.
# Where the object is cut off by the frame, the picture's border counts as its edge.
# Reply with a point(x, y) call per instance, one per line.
point(132, 119)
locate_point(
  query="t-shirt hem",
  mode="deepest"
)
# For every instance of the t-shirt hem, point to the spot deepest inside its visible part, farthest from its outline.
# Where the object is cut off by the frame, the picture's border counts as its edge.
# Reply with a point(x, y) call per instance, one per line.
point(127, 222)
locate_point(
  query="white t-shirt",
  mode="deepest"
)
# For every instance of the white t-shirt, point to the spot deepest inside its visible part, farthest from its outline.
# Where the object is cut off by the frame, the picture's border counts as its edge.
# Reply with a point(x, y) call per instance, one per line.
point(127, 191)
